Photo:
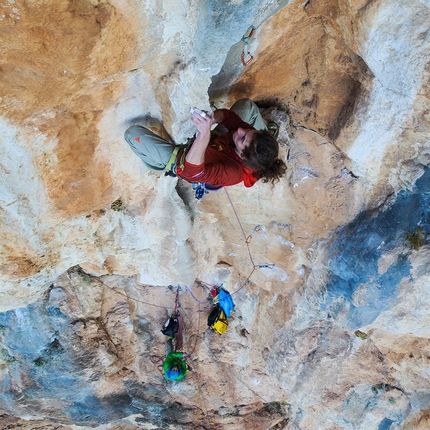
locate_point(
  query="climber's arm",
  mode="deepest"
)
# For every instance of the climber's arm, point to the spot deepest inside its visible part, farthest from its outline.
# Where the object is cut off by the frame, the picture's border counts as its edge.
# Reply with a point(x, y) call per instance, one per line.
point(196, 154)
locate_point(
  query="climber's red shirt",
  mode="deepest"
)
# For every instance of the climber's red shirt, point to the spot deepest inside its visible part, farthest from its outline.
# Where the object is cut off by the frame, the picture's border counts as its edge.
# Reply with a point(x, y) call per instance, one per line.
point(222, 165)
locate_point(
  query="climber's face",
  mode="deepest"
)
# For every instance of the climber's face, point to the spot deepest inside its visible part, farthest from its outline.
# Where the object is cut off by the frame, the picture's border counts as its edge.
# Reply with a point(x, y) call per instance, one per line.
point(242, 138)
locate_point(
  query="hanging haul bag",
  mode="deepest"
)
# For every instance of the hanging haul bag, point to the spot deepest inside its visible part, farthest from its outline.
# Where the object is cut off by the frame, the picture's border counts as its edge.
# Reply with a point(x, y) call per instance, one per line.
point(175, 367)
point(217, 320)
point(225, 301)
point(171, 326)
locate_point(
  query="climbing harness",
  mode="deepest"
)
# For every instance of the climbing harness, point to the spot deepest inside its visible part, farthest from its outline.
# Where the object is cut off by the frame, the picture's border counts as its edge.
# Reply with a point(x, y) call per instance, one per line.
point(175, 162)
point(246, 56)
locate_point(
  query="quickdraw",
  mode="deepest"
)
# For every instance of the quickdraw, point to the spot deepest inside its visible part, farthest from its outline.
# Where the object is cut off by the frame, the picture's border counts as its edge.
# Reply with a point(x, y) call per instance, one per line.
point(265, 266)
point(246, 55)
point(256, 229)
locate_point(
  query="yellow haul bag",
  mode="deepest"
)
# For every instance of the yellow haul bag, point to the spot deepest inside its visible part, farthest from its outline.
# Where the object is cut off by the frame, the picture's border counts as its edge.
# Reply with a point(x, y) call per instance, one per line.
point(217, 320)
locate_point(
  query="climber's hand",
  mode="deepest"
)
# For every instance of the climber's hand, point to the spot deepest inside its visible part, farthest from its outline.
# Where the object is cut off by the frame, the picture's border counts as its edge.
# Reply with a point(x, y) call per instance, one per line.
point(202, 120)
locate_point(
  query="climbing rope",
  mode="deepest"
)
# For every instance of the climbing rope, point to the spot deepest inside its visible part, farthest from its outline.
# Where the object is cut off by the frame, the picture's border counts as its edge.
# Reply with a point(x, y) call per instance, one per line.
point(199, 312)
point(192, 294)
point(199, 384)
point(247, 238)
point(247, 242)
point(177, 304)
point(80, 271)
point(179, 334)
point(196, 335)
point(157, 359)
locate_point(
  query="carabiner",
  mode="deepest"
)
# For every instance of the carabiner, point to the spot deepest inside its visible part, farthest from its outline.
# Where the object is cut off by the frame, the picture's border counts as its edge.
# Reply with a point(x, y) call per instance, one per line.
point(245, 63)
point(256, 229)
point(245, 37)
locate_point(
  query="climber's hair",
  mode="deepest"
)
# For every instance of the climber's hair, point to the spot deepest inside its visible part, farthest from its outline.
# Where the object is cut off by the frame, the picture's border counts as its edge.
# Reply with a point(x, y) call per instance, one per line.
point(262, 155)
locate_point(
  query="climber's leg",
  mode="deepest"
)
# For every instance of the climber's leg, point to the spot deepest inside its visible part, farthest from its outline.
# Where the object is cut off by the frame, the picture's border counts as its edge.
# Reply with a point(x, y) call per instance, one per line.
point(153, 150)
point(249, 113)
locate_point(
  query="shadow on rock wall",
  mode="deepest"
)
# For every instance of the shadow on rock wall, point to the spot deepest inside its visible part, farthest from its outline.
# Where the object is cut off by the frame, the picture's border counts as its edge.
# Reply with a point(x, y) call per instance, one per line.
point(371, 256)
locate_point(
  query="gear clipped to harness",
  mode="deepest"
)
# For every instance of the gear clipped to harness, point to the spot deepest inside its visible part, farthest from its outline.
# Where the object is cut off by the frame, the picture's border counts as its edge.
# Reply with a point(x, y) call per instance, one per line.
point(201, 189)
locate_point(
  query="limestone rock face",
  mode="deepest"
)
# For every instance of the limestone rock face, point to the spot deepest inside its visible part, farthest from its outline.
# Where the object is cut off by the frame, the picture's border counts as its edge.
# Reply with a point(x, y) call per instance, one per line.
point(328, 268)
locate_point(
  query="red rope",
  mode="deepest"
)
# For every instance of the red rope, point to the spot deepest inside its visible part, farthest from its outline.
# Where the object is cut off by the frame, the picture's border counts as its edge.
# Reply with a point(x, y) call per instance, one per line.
point(197, 332)
point(247, 242)
point(179, 342)
point(175, 307)
point(247, 238)
point(234, 210)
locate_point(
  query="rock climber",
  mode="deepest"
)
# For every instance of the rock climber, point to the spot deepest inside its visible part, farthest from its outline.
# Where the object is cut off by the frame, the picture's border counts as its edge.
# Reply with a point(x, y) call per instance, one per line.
point(244, 152)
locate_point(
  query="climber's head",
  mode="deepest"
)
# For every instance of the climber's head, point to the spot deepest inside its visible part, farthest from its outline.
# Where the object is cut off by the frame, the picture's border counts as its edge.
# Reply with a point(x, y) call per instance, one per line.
point(242, 139)
point(260, 152)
